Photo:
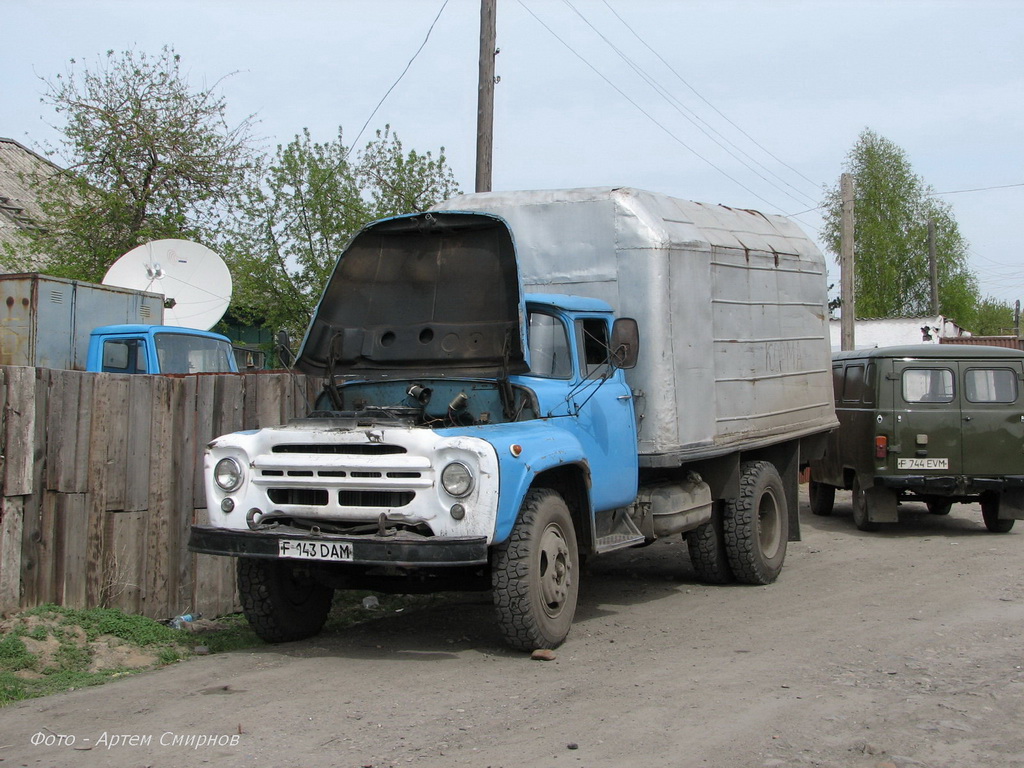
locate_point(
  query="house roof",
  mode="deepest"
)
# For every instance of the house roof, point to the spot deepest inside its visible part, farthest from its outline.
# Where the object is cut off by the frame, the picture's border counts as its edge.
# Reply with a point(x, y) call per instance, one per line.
point(18, 206)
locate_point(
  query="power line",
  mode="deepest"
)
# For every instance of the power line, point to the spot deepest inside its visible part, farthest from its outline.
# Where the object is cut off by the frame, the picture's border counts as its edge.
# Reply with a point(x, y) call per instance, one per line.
point(394, 84)
point(646, 113)
point(976, 189)
point(695, 119)
point(701, 97)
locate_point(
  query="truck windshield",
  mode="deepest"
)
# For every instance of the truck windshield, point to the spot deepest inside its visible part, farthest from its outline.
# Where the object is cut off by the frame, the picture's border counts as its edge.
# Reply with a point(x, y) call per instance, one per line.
point(185, 353)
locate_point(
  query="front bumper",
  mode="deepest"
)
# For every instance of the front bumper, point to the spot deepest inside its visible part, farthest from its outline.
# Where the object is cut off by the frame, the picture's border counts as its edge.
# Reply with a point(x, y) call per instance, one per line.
point(400, 549)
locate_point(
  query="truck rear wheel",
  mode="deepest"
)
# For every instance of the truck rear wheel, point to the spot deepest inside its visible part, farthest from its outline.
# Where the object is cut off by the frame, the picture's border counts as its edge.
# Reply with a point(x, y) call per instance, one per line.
point(535, 574)
point(280, 602)
point(822, 497)
point(706, 544)
point(990, 514)
point(756, 525)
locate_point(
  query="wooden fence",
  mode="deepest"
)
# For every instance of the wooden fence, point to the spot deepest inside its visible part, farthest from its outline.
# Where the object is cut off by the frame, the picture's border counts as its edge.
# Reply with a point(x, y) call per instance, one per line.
point(102, 475)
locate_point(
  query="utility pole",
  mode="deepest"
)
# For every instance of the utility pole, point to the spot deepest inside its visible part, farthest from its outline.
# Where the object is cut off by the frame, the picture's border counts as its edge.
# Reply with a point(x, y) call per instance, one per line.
point(933, 267)
point(846, 266)
point(485, 95)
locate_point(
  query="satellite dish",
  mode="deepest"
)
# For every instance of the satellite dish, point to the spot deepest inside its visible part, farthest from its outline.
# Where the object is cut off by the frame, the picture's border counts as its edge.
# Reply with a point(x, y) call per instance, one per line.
point(194, 280)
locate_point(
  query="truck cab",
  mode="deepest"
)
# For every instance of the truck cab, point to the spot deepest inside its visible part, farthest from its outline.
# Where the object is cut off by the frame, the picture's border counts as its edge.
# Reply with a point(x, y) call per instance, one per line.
point(941, 424)
point(158, 349)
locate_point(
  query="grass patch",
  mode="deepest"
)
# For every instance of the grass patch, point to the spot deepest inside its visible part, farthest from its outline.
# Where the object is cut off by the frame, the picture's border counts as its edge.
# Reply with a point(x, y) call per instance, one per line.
point(50, 649)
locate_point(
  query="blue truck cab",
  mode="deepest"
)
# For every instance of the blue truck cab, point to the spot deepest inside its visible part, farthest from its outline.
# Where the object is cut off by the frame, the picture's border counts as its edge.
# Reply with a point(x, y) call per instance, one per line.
point(472, 434)
point(158, 349)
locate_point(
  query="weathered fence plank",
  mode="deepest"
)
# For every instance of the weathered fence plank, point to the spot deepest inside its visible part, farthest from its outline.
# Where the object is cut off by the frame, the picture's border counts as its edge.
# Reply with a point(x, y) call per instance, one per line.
point(139, 438)
point(102, 476)
point(12, 510)
point(19, 418)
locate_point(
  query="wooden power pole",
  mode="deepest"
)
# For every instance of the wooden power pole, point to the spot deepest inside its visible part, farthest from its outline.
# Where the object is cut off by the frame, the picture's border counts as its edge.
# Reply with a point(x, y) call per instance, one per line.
point(485, 95)
point(933, 267)
point(846, 265)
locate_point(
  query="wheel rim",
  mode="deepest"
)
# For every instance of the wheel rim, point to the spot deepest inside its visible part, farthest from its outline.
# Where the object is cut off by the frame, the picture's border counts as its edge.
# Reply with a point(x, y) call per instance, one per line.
point(555, 569)
point(769, 528)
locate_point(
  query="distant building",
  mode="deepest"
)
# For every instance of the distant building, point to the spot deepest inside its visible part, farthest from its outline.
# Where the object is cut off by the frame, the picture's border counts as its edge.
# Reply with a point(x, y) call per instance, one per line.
point(893, 331)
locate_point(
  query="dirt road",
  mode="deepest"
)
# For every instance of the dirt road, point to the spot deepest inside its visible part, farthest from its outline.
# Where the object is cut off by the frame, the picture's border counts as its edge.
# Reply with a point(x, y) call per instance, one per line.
point(899, 648)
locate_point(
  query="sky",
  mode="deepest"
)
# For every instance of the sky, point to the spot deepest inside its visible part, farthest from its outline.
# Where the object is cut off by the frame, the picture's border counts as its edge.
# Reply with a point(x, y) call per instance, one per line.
point(748, 103)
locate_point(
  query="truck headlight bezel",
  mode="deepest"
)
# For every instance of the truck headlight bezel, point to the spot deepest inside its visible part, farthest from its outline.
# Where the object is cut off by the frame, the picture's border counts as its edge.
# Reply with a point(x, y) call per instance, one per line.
point(457, 480)
point(227, 474)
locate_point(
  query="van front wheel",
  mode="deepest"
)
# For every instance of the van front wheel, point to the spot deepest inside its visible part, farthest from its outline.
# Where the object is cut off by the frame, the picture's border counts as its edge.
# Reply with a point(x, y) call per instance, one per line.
point(535, 574)
point(756, 525)
point(822, 497)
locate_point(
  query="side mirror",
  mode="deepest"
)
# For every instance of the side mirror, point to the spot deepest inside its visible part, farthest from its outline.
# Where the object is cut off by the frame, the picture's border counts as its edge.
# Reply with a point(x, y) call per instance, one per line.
point(625, 346)
point(283, 347)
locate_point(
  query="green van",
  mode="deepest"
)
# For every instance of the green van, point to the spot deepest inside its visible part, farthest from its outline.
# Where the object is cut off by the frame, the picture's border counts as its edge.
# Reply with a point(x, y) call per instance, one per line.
point(932, 423)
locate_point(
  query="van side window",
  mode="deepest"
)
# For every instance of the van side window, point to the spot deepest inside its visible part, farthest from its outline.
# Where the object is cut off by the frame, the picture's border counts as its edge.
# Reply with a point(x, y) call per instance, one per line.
point(869, 384)
point(837, 382)
point(928, 385)
point(853, 384)
point(990, 385)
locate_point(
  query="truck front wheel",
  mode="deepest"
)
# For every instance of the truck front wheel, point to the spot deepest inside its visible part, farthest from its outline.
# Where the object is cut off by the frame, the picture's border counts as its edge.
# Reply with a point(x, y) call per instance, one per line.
point(756, 525)
point(535, 574)
point(280, 602)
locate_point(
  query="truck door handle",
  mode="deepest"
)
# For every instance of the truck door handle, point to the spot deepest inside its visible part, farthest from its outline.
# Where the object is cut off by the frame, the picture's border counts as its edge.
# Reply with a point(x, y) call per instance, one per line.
point(967, 418)
point(630, 397)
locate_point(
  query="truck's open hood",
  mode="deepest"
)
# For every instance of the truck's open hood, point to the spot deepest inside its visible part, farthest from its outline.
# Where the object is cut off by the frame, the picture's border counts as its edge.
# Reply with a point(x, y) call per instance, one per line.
point(434, 293)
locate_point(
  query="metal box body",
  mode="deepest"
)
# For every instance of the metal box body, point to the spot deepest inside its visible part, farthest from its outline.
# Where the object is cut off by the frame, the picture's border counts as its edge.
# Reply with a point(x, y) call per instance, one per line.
point(45, 321)
point(731, 305)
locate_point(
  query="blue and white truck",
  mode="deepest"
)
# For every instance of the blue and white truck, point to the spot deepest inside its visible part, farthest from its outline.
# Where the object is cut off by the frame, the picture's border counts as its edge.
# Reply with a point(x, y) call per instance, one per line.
point(516, 381)
point(54, 322)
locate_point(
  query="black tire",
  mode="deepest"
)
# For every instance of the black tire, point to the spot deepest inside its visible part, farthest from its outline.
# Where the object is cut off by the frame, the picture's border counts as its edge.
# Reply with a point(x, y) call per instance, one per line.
point(756, 525)
point(939, 507)
point(860, 509)
point(706, 544)
point(990, 514)
point(280, 602)
point(822, 496)
point(535, 574)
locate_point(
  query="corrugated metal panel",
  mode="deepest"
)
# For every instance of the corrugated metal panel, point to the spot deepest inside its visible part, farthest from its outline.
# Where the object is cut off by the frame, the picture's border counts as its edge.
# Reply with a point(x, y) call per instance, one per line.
point(1010, 342)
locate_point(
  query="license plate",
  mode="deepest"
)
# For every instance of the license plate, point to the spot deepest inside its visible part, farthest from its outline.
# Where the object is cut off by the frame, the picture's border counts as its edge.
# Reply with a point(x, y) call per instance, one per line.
point(301, 549)
point(922, 464)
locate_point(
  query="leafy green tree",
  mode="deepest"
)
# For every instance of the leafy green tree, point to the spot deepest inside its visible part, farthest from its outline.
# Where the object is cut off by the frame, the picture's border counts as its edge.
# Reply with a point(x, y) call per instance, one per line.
point(993, 318)
point(311, 200)
point(892, 207)
point(147, 157)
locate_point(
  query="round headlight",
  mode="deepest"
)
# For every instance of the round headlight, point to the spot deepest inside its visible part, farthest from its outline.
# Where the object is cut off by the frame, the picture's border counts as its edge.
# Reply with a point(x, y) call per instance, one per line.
point(457, 479)
point(228, 474)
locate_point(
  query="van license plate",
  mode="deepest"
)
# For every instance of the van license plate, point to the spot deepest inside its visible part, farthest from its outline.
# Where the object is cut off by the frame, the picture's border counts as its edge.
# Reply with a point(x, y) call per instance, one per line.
point(922, 464)
point(298, 549)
